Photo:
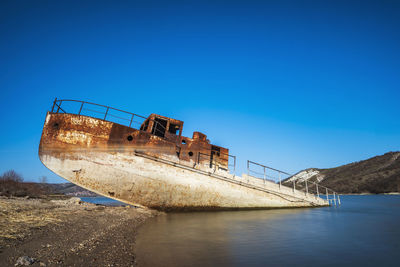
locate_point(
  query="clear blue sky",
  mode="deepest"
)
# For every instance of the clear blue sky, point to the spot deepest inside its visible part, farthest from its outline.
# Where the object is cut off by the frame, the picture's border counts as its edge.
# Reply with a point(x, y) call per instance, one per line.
point(292, 84)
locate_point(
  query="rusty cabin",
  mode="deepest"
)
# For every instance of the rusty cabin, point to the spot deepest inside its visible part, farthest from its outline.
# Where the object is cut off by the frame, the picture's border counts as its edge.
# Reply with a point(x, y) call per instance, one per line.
point(196, 149)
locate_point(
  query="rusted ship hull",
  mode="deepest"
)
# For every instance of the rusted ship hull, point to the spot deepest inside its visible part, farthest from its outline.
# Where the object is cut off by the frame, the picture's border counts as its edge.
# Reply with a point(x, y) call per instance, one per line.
point(97, 155)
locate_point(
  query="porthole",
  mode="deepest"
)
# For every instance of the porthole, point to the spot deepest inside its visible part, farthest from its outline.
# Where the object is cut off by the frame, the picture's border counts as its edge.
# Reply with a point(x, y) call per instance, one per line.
point(183, 141)
point(129, 138)
point(190, 153)
point(56, 125)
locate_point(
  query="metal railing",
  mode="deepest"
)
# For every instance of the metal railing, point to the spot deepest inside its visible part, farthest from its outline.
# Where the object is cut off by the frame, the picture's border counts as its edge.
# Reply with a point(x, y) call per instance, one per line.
point(102, 112)
point(216, 161)
point(281, 177)
point(265, 174)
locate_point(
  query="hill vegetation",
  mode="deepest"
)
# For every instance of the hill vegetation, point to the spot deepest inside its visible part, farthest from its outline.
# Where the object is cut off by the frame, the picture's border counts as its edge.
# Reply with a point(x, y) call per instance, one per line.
point(380, 174)
point(12, 185)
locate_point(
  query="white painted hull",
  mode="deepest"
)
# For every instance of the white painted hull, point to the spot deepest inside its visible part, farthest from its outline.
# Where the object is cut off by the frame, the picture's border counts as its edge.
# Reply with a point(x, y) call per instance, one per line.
point(145, 182)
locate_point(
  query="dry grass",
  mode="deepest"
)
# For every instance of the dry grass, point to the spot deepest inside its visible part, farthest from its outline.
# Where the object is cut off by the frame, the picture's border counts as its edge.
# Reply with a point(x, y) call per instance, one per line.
point(19, 216)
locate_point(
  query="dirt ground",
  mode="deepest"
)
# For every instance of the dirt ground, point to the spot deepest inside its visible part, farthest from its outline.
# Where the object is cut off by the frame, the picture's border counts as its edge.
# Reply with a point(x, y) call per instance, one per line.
point(68, 232)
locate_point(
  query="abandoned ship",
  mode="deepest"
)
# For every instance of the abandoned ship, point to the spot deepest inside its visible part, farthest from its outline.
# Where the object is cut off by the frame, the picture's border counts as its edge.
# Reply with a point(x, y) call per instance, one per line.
point(147, 162)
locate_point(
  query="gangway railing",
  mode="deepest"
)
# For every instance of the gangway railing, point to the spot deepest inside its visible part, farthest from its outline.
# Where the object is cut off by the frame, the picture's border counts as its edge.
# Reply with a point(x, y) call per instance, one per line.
point(267, 173)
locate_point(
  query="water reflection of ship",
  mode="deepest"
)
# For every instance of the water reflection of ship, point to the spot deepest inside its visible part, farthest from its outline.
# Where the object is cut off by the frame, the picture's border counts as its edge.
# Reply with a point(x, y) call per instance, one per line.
point(213, 238)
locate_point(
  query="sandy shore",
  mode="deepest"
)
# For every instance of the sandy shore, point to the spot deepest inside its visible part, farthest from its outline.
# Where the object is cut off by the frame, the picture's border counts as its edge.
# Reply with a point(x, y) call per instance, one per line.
point(68, 232)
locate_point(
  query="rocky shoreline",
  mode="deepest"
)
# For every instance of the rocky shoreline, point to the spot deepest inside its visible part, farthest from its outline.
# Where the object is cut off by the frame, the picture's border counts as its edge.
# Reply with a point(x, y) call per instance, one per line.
point(67, 232)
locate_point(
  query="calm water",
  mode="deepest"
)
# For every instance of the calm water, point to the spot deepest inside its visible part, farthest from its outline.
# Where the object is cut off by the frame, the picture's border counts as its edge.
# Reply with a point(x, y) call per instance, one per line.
point(103, 201)
point(365, 230)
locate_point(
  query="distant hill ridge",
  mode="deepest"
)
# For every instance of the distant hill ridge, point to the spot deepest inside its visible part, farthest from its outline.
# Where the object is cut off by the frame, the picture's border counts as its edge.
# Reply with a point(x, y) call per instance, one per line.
point(71, 190)
point(380, 174)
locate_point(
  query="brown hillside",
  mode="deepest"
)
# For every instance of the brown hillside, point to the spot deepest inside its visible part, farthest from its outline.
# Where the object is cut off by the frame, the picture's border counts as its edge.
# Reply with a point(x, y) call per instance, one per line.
point(380, 174)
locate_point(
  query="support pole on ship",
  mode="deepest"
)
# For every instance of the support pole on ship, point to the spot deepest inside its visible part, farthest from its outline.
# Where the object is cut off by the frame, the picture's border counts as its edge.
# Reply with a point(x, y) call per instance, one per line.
point(327, 196)
point(248, 171)
point(54, 103)
point(105, 115)
point(264, 175)
point(80, 109)
point(130, 123)
point(234, 165)
point(280, 184)
point(334, 198)
point(58, 109)
point(338, 198)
